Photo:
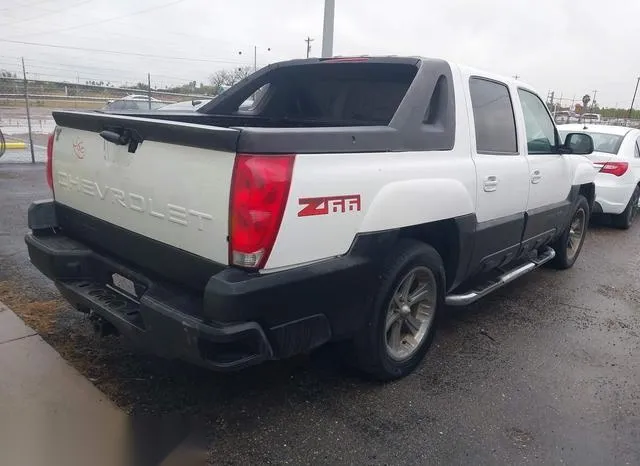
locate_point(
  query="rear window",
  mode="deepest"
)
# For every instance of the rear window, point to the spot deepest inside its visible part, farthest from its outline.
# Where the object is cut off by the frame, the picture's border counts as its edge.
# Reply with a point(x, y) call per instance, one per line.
point(334, 94)
point(602, 142)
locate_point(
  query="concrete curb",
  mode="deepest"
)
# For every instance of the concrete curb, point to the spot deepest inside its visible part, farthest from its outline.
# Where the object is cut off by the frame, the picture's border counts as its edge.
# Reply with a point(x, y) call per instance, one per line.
point(51, 414)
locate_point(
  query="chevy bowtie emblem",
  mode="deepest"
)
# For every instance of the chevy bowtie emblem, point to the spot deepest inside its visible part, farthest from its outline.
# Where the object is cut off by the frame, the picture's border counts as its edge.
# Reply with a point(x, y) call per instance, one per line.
point(78, 148)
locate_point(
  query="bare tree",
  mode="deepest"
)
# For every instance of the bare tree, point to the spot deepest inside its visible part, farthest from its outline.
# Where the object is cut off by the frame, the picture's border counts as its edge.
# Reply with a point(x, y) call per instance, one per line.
point(218, 80)
point(240, 73)
point(224, 78)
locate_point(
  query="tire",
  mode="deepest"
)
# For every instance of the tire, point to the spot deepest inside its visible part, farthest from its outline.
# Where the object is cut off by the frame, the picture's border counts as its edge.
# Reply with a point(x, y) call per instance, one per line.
point(626, 218)
point(395, 338)
point(569, 245)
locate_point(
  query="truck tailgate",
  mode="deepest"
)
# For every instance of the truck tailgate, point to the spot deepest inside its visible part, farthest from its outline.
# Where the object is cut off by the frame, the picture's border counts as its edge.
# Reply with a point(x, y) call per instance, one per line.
point(172, 186)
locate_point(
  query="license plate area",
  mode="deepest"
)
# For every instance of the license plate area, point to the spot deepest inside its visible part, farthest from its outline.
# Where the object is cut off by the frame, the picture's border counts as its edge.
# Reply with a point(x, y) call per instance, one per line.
point(126, 286)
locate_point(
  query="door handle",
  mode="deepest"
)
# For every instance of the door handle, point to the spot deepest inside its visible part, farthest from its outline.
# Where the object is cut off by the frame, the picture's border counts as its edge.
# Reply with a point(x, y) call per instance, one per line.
point(490, 183)
point(536, 176)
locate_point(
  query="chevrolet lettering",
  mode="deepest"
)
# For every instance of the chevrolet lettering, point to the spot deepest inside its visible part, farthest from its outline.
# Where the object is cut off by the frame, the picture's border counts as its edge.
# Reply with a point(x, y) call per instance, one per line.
point(135, 202)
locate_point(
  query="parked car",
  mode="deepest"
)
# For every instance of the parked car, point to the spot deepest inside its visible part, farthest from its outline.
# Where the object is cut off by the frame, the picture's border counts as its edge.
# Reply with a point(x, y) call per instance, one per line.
point(132, 105)
point(184, 106)
point(617, 157)
point(562, 117)
point(592, 118)
point(358, 198)
point(140, 97)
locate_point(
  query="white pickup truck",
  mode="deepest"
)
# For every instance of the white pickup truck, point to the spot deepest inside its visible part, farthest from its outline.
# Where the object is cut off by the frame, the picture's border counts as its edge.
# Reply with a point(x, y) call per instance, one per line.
point(351, 202)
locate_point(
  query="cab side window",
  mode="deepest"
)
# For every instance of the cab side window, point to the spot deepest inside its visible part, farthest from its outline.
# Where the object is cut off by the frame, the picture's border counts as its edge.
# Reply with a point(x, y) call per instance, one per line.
point(539, 127)
point(493, 117)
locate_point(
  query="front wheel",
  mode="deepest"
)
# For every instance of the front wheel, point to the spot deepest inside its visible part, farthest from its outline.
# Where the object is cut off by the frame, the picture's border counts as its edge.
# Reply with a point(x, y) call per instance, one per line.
point(401, 323)
point(569, 244)
point(626, 218)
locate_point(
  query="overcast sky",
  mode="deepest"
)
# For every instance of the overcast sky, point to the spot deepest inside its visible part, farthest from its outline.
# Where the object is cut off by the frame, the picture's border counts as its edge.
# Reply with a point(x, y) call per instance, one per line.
point(569, 46)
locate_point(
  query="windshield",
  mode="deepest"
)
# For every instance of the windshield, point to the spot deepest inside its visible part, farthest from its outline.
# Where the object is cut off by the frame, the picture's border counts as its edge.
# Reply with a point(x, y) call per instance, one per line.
point(602, 142)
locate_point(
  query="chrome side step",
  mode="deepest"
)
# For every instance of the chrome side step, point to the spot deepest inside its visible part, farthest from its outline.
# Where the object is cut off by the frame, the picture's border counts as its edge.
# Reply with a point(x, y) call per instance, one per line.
point(492, 285)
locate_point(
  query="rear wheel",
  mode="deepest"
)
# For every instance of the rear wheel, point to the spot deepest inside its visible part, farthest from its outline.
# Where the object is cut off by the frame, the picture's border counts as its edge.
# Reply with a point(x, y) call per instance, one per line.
point(626, 218)
point(569, 244)
point(401, 325)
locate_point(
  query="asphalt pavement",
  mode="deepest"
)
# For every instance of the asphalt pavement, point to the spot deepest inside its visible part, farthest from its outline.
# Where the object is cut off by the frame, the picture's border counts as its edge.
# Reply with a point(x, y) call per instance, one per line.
point(545, 371)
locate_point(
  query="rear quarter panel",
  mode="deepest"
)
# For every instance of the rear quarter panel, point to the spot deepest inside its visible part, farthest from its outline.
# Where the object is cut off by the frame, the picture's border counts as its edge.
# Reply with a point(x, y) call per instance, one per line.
point(395, 189)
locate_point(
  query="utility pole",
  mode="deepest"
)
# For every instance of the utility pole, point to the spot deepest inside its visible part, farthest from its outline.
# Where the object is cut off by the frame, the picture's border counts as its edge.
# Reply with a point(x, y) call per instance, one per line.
point(560, 99)
point(26, 101)
point(632, 100)
point(516, 76)
point(593, 101)
point(255, 58)
point(327, 30)
point(149, 86)
point(308, 40)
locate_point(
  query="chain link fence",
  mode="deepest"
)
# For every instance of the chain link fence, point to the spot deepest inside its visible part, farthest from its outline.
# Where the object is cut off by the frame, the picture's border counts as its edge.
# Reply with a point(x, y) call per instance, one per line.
point(26, 106)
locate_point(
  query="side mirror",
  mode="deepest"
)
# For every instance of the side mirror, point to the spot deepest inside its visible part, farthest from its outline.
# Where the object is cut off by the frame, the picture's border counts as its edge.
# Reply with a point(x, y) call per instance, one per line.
point(577, 143)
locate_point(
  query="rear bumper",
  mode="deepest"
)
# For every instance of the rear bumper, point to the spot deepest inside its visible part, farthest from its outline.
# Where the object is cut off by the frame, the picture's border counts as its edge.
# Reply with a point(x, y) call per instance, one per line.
point(238, 319)
point(159, 319)
point(612, 198)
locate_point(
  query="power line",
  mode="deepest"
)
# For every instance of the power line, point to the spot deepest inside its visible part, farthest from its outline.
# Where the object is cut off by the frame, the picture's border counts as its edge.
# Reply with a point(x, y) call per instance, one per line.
point(146, 10)
point(48, 12)
point(116, 52)
point(27, 5)
point(37, 63)
point(104, 77)
point(83, 17)
point(91, 71)
point(74, 72)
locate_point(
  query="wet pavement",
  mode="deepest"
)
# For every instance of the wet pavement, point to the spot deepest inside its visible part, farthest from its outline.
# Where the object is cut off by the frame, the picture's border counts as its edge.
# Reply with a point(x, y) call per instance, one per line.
point(545, 371)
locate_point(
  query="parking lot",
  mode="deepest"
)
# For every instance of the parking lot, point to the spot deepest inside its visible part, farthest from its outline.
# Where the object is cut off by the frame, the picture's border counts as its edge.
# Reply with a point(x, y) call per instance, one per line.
point(547, 370)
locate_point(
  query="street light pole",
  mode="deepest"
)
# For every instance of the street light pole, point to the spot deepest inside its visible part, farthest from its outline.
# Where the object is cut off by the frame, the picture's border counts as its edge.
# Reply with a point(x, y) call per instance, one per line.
point(327, 31)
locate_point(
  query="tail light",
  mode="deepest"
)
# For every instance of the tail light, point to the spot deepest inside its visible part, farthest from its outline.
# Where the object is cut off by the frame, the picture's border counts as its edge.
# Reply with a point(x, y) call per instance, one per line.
point(259, 191)
point(49, 163)
point(614, 168)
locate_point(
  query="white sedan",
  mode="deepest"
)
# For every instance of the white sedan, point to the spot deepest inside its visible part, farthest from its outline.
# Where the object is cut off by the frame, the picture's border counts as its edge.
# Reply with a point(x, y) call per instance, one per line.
point(617, 155)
